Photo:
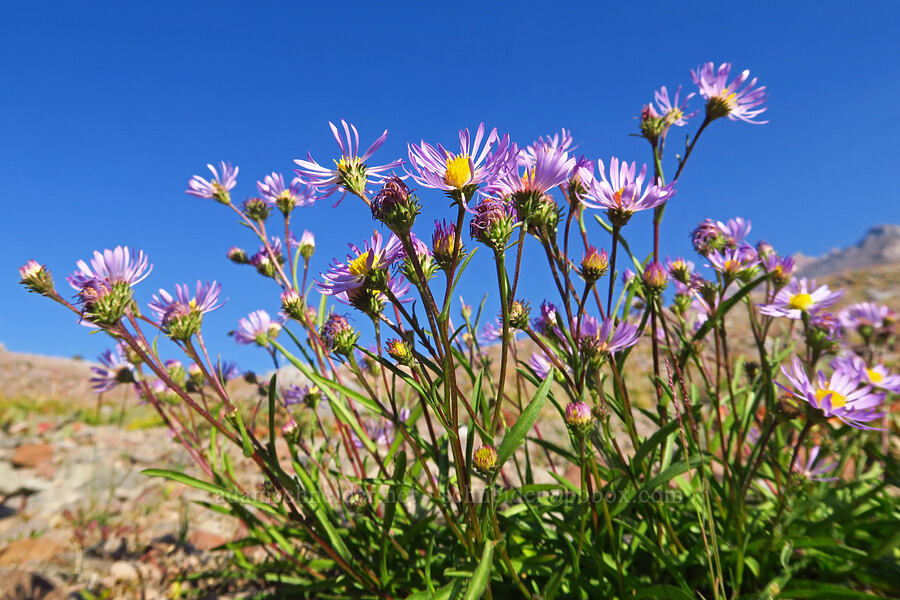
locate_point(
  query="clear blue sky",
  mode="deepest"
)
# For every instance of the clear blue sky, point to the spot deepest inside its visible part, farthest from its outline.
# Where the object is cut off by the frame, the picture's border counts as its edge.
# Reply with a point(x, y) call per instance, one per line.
point(106, 112)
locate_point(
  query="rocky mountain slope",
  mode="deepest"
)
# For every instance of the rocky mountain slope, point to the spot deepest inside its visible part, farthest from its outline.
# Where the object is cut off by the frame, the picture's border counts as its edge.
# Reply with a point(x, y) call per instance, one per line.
point(880, 246)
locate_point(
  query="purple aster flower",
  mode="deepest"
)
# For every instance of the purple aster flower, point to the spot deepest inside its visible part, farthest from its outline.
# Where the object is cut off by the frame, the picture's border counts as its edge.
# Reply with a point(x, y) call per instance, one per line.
point(680, 269)
point(780, 267)
point(227, 370)
point(562, 141)
point(606, 337)
point(380, 431)
point(118, 265)
point(474, 165)
point(838, 396)
point(621, 194)
point(546, 323)
point(811, 470)
point(736, 230)
point(115, 369)
point(351, 173)
point(310, 395)
point(275, 193)
point(733, 262)
point(205, 299)
point(864, 314)
point(218, 188)
point(491, 332)
point(256, 329)
point(876, 376)
point(540, 364)
point(795, 299)
point(349, 275)
point(550, 167)
point(729, 99)
point(670, 110)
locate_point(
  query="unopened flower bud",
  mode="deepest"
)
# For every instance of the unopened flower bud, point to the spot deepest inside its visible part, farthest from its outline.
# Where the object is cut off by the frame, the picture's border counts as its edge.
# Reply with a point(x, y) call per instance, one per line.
point(176, 371)
point(652, 124)
point(263, 264)
point(307, 244)
point(195, 374)
point(36, 277)
point(356, 500)
point(443, 243)
point(424, 258)
point(291, 431)
point(493, 223)
point(519, 312)
point(257, 209)
point(485, 459)
point(594, 264)
point(655, 278)
point(545, 216)
point(338, 336)
point(578, 416)
point(707, 237)
point(238, 256)
point(395, 206)
point(400, 351)
point(764, 249)
point(292, 304)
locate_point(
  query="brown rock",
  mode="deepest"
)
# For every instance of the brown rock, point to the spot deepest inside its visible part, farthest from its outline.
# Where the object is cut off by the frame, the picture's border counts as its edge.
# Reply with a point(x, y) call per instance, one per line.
point(30, 549)
point(123, 571)
point(29, 586)
point(31, 455)
point(204, 540)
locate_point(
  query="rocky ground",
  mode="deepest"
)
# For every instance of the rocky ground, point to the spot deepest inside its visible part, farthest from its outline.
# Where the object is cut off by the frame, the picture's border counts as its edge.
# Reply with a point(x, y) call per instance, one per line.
point(77, 510)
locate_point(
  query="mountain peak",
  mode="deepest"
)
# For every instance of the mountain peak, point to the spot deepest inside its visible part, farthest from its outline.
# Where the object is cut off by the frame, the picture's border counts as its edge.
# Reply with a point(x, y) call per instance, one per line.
point(880, 245)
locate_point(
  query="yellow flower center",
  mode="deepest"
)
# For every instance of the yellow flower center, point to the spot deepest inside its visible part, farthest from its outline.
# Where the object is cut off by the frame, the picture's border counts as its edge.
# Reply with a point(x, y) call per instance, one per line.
point(458, 171)
point(732, 265)
point(801, 301)
point(359, 266)
point(346, 164)
point(730, 99)
point(874, 376)
point(527, 178)
point(836, 399)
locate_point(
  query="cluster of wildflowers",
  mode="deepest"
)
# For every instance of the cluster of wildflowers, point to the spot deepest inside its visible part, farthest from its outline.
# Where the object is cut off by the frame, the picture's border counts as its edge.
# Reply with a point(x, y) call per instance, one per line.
point(433, 405)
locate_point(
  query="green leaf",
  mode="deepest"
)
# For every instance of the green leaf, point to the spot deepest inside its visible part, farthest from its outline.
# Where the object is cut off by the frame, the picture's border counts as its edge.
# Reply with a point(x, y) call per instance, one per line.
point(482, 574)
point(390, 509)
point(318, 506)
point(658, 592)
point(448, 592)
point(524, 423)
point(813, 589)
point(229, 495)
